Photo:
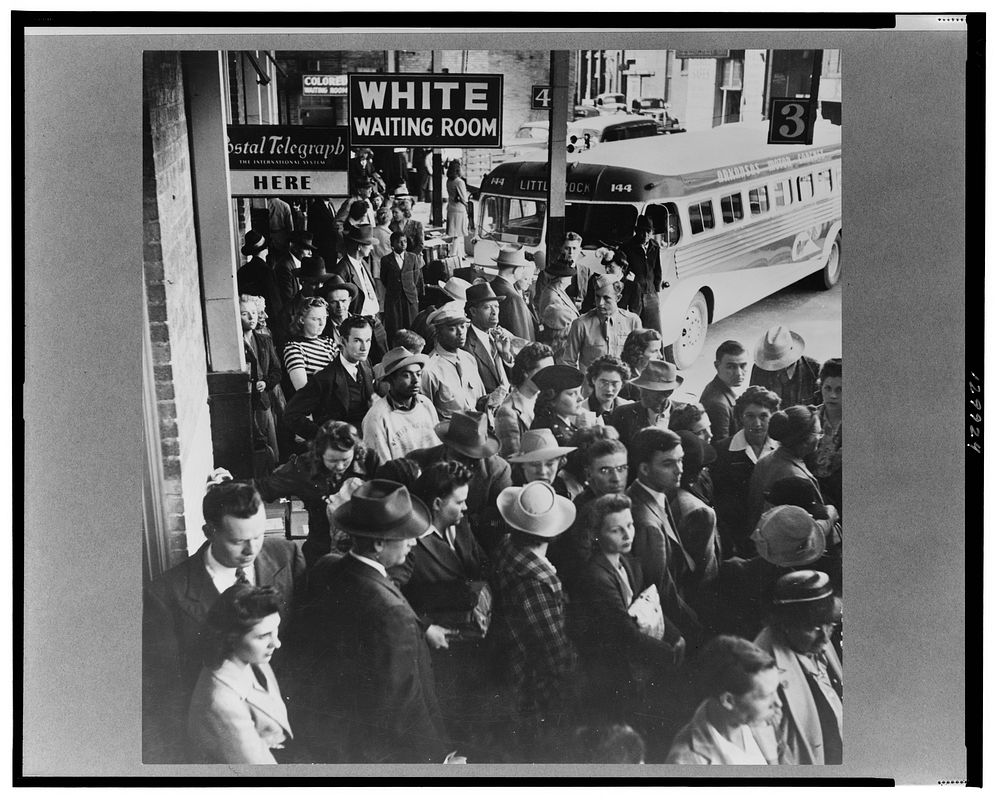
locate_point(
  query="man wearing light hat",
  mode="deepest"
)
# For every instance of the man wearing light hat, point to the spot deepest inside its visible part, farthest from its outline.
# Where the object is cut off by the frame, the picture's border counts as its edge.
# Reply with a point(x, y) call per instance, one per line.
point(451, 378)
point(404, 419)
point(780, 366)
point(515, 313)
point(804, 611)
point(368, 686)
point(657, 381)
point(602, 330)
point(540, 660)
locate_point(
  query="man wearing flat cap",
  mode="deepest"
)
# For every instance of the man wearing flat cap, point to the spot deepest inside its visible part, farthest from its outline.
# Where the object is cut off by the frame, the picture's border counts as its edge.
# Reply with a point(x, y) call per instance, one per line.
point(804, 612)
point(451, 378)
point(404, 419)
point(602, 330)
point(465, 439)
point(779, 364)
point(365, 680)
point(657, 381)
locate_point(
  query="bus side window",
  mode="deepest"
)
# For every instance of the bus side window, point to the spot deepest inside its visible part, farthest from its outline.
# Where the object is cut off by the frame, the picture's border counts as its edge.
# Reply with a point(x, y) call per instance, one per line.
point(732, 208)
point(666, 222)
point(805, 187)
point(824, 182)
point(701, 215)
point(783, 193)
point(759, 203)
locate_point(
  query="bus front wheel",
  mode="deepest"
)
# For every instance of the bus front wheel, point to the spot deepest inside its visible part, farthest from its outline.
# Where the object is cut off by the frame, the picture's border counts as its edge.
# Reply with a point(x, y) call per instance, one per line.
point(829, 276)
point(694, 330)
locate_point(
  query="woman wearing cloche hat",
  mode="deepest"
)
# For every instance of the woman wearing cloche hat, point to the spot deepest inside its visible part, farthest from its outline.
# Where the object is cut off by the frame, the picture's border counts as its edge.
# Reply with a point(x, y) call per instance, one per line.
point(538, 670)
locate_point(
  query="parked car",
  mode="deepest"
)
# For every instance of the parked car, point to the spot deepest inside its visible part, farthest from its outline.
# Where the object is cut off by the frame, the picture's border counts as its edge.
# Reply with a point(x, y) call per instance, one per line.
point(583, 134)
point(655, 108)
point(582, 112)
point(611, 102)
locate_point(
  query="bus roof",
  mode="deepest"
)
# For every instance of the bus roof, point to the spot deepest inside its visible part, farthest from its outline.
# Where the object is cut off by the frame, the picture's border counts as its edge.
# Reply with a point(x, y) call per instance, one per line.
point(665, 166)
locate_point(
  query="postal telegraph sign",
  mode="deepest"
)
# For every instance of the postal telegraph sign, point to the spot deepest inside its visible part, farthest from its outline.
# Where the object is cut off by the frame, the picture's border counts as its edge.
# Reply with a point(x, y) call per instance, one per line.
point(426, 110)
point(266, 160)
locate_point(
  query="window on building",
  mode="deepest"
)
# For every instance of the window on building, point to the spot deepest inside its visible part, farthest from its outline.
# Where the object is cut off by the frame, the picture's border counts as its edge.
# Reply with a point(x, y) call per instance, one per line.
point(806, 189)
point(783, 193)
point(702, 217)
point(732, 208)
point(831, 63)
point(729, 94)
point(684, 66)
point(759, 201)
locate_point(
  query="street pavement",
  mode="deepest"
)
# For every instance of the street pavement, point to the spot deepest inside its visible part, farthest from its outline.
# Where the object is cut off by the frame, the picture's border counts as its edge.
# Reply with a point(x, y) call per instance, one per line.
point(814, 315)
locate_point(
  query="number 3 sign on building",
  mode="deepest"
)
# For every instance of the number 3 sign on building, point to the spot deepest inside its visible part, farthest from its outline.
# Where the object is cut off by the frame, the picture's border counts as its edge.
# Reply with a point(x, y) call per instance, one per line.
point(792, 120)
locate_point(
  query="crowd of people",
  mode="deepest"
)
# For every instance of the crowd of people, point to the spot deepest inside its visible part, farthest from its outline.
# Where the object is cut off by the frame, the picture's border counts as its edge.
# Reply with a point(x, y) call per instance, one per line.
point(525, 542)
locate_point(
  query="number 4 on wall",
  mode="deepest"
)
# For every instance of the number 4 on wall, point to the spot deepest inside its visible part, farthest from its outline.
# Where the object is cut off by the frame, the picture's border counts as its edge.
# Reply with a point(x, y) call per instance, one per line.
point(541, 97)
point(792, 121)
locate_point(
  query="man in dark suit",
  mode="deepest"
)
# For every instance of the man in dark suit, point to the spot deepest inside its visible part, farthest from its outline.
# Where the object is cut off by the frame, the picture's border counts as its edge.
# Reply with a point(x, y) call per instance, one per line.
point(490, 344)
point(176, 605)
point(466, 441)
point(640, 262)
point(659, 458)
point(287, 267)
point(342, 390)
point(355, 267)
point(323, 226)
point(256, 276)
point(403, 277)
point(367, 685)
point(719, 396)
point(656, 383)
point(515, 314)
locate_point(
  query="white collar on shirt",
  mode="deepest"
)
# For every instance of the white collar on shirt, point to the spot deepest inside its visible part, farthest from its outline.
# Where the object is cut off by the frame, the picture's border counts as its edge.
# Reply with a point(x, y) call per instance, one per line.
point(740, 442)
point(352, 369)
point(223, 577)
point(483, 336)
point(371, 563)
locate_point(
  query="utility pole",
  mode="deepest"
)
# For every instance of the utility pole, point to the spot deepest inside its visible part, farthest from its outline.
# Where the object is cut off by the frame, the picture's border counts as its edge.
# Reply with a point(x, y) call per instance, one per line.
point(436, 172)
point(558, 115)
point(814, 89)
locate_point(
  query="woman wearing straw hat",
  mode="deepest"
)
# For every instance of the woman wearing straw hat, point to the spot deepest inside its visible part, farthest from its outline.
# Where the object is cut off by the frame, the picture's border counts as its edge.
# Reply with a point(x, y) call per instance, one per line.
point(779, 365)
point(368, 693)
point(539, 661)
point(540, 458)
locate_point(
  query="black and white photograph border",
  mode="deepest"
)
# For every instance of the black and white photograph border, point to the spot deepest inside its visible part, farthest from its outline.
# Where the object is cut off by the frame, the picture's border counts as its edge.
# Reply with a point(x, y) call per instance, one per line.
point(874, 183)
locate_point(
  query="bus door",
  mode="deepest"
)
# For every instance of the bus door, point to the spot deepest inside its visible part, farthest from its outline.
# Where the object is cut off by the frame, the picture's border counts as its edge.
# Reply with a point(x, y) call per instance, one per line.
point(667, 234)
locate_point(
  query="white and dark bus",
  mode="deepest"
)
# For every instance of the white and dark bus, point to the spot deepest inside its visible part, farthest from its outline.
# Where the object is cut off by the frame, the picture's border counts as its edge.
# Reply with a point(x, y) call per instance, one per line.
point(737, 219)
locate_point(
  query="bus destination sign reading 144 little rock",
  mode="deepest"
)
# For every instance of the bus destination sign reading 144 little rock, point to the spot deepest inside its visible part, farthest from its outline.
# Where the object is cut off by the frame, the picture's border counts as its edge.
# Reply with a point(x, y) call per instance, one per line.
point(428, 110)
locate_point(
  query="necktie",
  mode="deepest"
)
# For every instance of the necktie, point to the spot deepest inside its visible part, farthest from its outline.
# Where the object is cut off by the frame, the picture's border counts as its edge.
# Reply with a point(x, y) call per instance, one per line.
point(449, 536)
point(623, 580)
point(241, 576)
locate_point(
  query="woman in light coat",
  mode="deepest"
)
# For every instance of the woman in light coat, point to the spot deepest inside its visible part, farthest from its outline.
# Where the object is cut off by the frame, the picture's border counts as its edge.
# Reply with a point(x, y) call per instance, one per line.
point(237, 715)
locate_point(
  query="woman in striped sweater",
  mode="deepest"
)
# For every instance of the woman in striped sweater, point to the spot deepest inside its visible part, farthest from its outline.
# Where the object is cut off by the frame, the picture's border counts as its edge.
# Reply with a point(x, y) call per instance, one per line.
point(307, 352)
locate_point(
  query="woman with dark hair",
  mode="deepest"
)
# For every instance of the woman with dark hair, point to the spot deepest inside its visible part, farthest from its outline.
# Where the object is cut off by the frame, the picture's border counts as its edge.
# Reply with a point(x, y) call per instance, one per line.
point(825, 463)
point(517, 410)
point(559, 402)
point(607, 376)
point(615, 651)
point(797, 431)
point(735, 724)
point(640, 346)
point(402, 220)
point(737, 457)
point(307, 351)
point(237, 715)
point(323, 478)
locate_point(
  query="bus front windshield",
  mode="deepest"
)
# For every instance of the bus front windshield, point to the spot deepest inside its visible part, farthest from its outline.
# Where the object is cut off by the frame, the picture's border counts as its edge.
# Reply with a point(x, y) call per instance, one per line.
point(517, 220)
point(601, 223)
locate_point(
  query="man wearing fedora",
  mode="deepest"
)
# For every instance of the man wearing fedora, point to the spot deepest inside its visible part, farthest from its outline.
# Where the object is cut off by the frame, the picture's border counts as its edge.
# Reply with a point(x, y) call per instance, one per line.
point(656, 383)
point(465, 439)
point(803, 614)
point(515, 313)
point(256, 276)
point(338, 295)
point(602, 330)
point(404, 419)
point(719, 396)
point(489, 343)
point(779, 365)
point(368, 691)
point(355, 267)
point(287, 267)
point(658, 457)
point(451, 378)
point(539, 662)
point(342, 390)
point(556, 311)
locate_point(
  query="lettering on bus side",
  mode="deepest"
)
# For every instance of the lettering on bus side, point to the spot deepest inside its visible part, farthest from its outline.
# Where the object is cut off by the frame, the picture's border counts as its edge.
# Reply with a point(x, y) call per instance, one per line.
point(738, 172)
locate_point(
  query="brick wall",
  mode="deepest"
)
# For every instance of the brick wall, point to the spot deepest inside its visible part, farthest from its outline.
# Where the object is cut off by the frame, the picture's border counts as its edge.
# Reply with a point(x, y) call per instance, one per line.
point(176, 330)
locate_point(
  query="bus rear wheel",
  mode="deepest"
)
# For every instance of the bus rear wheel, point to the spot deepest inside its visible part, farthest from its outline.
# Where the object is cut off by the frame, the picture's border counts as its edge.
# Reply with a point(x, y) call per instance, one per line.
point(683, 352)
point(829, 276)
